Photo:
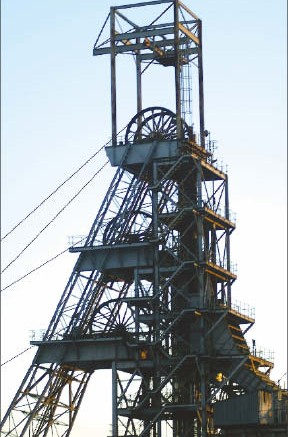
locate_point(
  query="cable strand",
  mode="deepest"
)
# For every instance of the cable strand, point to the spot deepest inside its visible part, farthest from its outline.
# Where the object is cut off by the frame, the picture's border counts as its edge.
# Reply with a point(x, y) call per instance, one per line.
point(54, 218)
point(55, 191)
point(35, 269)
point(16, 356)
point(60, 186)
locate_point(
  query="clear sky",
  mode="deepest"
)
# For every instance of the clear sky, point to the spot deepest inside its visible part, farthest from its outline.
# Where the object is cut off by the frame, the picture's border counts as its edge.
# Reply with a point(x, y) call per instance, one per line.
point(56, 114)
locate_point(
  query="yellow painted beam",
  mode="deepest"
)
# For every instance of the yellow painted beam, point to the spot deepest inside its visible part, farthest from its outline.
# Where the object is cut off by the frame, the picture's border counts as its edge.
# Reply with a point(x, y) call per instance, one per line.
point(189, 34)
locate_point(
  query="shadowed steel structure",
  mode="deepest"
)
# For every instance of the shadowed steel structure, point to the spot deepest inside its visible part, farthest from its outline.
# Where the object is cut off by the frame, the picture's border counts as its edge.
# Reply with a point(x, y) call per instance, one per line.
point(150, 294)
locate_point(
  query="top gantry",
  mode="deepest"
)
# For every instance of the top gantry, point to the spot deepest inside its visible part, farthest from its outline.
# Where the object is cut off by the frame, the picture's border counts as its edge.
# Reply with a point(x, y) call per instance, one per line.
point(155, 42)
point(171, 38)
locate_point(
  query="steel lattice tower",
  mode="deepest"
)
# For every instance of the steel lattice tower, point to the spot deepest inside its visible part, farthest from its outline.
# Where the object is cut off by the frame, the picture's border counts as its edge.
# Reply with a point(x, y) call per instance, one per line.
point(150, 294)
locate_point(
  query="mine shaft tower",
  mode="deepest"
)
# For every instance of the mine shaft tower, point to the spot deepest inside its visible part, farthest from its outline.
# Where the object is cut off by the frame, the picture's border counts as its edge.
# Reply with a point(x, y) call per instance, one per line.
point(150, 294)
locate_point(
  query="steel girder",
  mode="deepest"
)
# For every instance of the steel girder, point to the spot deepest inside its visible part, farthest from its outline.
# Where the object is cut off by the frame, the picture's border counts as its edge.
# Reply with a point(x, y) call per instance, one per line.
point(149, 309)
point(150, 294)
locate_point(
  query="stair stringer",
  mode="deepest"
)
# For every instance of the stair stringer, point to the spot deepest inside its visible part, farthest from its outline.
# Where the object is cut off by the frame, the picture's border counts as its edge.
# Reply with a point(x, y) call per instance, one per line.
point(228, 340)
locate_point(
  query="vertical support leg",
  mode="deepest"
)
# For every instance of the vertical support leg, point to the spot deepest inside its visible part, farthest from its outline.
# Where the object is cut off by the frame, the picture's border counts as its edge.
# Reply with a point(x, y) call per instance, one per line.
point(203, 399)
point(201, 91)
point(227, 241)
point(114, 401)
point(177, 70)
point(113, 77)
point(138, 79)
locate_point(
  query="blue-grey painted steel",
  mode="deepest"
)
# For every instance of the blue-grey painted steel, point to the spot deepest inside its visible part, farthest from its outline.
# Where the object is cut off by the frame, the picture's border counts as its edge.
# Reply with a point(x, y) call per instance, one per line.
point(115, 257)
point(251, 408)
point(139, 152)
point(102, 351)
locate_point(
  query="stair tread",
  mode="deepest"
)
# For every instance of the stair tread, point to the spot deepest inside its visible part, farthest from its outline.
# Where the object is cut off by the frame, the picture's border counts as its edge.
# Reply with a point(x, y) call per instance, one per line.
point(238, 338)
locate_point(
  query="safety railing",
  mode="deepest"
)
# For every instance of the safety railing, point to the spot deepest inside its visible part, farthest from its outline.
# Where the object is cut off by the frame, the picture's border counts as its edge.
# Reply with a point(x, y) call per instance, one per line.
point(76, 240)
point(36, 334)
point(243, 308)
point(261, 352)
point(220, 210)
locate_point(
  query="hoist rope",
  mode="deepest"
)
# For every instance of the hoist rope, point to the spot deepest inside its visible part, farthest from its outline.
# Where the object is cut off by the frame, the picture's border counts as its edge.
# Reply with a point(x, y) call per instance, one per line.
point(55, 191)
point(54, 218)
point(61, 185)
point(16, 356)
point(35, 269)
point(61, 253)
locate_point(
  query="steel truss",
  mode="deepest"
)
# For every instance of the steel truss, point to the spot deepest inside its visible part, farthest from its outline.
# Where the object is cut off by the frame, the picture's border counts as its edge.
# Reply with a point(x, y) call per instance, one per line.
point(150, 294)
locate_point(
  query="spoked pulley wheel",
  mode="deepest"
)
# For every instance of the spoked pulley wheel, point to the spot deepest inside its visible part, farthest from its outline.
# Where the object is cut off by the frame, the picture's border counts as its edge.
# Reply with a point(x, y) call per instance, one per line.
point(154, 123)
point(113, 316)
point(128, 227)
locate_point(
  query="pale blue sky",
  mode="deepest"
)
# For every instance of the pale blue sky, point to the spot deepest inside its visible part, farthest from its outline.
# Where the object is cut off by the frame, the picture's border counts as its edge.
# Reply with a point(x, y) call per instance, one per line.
point(56, 114)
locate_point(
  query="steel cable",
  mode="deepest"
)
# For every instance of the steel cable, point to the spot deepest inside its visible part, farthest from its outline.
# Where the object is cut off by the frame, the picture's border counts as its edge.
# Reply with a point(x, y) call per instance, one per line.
point(16, 356)
point(54, 218)
point(35, 269)
point(61, 253)
point(61, 185)
point(55, 191)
